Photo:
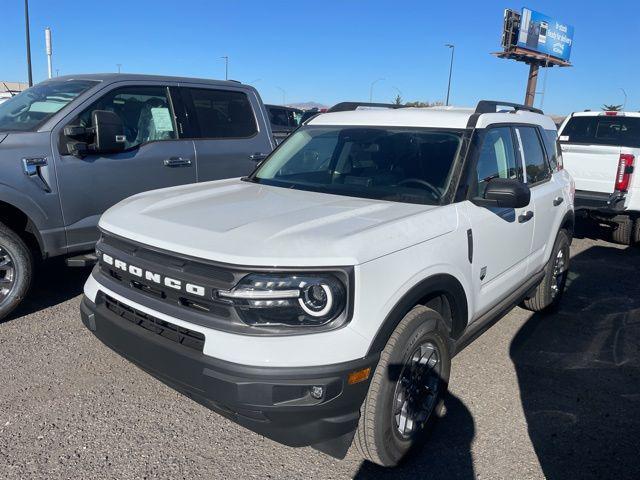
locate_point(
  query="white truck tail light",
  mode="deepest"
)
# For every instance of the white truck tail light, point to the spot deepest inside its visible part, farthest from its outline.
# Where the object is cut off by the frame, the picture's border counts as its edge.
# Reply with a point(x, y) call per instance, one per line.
point(625, 169)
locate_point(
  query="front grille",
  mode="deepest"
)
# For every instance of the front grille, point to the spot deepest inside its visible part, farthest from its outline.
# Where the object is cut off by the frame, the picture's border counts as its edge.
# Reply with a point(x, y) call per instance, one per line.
point(181, 335)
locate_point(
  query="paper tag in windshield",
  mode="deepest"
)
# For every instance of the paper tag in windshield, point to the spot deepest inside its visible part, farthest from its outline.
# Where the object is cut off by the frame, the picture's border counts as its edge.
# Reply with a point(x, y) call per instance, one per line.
point(162, 119)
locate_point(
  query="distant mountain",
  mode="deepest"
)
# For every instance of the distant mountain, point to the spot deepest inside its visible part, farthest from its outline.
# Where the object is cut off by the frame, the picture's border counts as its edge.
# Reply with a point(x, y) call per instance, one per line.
point(307, 105)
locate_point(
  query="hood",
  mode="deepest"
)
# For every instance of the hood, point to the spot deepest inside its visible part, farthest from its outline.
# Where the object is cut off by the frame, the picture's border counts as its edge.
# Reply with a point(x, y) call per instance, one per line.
point(244, 223)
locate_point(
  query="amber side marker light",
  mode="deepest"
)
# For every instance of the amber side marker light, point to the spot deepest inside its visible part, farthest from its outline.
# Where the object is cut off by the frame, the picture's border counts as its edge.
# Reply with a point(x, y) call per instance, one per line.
point(359, 376)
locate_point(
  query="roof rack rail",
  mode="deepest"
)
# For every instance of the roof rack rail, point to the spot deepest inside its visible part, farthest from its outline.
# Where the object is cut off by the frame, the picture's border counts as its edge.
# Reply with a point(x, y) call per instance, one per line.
point(491, 106)
point(348, 106)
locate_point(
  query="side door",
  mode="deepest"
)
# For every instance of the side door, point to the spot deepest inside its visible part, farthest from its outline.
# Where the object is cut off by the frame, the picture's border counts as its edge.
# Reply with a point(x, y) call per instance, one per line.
point(546, 194)
point(229, 140)
point(501, 236)
point(154, 157)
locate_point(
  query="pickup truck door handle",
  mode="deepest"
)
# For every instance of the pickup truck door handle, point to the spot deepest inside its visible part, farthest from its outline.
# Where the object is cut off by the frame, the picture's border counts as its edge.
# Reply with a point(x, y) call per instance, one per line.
point(32, 168)
point(557, 201)
point(177, 162)
point(258, 157)
point(525, 217)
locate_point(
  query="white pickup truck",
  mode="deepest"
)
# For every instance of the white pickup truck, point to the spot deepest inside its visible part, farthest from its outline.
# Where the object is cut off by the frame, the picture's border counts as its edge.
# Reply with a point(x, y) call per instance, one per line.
point(600, 150)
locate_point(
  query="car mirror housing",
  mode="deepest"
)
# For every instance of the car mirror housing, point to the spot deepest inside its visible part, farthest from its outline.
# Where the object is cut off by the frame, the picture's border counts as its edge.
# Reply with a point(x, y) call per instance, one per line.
point(505, 193)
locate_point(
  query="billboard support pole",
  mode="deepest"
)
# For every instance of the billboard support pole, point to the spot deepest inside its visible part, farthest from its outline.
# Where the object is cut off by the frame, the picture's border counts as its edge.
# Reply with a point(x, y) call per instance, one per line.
point(531, 84)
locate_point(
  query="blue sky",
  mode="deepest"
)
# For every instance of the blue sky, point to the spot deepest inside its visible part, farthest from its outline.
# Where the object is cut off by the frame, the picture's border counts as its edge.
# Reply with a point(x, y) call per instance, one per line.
point(331, 50)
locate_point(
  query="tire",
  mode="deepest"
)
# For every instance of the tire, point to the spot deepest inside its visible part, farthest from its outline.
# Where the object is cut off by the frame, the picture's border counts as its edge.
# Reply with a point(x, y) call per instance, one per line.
point(622, 230)
point(378, 438)
point(16, 270)
point(548, 294)
point(636, 232)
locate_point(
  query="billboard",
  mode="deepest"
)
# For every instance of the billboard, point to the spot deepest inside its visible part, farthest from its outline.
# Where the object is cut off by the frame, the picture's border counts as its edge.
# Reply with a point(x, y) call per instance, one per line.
point(545, 35)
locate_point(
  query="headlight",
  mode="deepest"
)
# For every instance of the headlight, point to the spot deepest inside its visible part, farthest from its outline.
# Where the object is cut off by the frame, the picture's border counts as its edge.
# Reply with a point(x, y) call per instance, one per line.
point(287, 299)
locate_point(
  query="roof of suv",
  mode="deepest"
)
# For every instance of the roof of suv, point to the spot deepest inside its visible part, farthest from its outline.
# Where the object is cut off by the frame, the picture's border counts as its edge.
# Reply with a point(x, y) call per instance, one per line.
point(596, 113)
point(433, 117)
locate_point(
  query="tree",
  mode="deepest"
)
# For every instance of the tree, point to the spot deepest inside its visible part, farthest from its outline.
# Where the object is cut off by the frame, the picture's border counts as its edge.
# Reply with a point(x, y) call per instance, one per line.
point(612, 108)
point(398, 100)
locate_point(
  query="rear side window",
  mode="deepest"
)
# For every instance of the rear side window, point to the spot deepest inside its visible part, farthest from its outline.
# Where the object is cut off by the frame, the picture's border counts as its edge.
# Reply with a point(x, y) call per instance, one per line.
point(278, 117)
point(222, 114)
point(551, 146)
point(603, 130)
point(535, 162)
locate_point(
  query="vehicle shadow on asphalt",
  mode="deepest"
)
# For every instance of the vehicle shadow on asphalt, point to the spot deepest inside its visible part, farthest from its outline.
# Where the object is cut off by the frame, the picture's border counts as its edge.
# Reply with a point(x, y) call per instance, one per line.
point(579, 370)
point(53, 283)
point(445, 454)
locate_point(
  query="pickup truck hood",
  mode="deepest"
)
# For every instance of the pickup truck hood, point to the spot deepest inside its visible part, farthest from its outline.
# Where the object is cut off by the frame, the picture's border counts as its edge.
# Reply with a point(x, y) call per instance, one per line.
point(243, 223)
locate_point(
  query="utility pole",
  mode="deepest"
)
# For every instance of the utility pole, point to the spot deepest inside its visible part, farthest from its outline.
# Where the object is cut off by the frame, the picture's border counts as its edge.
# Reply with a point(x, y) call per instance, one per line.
point(284, 96)
point(26, 21)
point(453, 49)
point(371, 89)
point(118, 65)
point(226, 67)
point(532, 82)
point(47, 43)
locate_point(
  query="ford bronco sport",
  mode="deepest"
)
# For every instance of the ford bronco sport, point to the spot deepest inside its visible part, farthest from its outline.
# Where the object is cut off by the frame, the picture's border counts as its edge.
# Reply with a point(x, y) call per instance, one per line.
point(322, 298)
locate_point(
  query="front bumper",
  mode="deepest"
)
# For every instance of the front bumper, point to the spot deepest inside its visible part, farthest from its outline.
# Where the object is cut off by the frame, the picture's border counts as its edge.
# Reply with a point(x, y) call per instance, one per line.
point(276, 402)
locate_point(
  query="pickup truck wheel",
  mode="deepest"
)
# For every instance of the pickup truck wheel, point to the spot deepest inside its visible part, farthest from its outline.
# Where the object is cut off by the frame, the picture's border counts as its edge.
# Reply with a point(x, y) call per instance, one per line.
point(623, 230)
point(548, 294)
point(16, 270)
point(407, 389)
point(636, 232)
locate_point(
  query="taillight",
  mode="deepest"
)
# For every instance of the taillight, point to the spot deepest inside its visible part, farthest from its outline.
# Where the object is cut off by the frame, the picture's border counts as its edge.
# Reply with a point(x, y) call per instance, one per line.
point(625, 169)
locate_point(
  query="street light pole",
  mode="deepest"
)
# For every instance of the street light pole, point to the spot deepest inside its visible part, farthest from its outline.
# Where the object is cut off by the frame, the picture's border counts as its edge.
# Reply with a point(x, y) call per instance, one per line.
point(371, 89)
point(49, 50)
point(26, 21)
point(453, 49)
point(284, 96)
point(226, 67)
point(118, 65)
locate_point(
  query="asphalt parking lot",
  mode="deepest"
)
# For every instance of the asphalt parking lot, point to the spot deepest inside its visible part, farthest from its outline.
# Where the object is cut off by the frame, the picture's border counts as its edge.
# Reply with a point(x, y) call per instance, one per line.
point(554, 396)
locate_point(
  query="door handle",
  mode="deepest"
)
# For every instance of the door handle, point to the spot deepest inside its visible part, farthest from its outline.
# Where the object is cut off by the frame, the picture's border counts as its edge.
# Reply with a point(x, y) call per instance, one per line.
point(557, 201)
point(177, 162)
point(258, 157)
point(525, 217)
point(32, 168)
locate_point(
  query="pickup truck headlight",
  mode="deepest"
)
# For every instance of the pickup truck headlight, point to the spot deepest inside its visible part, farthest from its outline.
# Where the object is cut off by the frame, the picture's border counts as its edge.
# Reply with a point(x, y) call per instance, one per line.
point(289, 299)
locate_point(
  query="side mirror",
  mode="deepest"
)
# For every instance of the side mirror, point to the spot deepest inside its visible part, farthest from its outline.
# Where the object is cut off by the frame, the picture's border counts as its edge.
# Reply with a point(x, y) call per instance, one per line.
point(506, 193)
point(109, 132)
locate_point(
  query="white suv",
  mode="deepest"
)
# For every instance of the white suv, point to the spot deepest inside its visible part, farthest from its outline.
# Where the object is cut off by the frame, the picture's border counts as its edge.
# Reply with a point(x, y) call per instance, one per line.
point(600, 150)
point(324, 295)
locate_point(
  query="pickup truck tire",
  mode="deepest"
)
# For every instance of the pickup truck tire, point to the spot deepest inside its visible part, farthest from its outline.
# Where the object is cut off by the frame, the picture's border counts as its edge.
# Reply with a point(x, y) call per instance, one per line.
point(548, 294)
point(16, 270)
point(407, 389)
point(622, 230)
point(636, 232)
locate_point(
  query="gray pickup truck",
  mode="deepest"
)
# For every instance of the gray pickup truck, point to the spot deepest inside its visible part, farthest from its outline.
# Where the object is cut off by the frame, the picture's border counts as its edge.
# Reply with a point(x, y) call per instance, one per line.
point(73, 146)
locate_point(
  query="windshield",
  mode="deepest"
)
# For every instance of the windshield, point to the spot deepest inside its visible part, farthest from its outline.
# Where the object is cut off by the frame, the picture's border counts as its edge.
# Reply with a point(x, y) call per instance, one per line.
point(411, 165)
point(29, 109)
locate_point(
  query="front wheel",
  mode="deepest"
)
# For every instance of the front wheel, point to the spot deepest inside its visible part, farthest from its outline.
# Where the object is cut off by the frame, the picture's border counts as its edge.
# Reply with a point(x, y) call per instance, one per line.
point(548, 294)
point(407, 389)
point(16, 270)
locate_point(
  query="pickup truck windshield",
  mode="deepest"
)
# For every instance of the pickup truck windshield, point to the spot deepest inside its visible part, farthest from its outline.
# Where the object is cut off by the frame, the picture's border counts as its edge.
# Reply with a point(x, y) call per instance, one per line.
point(614, 130)
point(31, 108)
point(411, 165)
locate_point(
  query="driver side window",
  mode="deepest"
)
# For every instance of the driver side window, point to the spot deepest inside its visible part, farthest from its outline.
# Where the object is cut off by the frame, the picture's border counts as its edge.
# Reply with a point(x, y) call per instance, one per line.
point(496, 159)
point(145, 113)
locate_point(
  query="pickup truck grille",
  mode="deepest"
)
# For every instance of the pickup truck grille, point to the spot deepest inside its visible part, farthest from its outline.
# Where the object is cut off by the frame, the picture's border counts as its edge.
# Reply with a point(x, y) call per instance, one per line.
point(183, 336)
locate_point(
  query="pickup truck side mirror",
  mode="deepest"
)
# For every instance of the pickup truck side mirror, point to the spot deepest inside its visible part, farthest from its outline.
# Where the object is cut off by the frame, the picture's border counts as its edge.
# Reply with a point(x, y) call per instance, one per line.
point(109, 132)
point(505, 193)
